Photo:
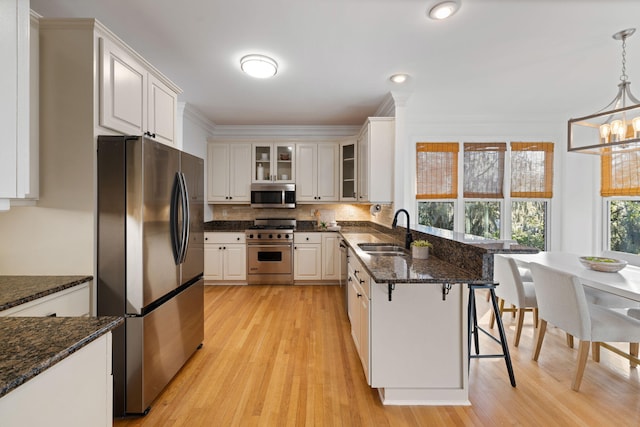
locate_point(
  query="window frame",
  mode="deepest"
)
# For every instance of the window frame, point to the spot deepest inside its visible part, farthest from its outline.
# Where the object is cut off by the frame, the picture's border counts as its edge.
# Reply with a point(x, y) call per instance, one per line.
point(506, 202)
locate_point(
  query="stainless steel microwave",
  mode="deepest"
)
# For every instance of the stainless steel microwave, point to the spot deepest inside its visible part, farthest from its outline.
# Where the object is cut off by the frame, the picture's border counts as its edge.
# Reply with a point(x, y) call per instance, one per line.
point(273, 196)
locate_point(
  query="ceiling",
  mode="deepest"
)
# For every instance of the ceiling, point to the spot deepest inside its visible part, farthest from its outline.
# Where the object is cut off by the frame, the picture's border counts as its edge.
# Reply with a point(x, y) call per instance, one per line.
point(494, 57)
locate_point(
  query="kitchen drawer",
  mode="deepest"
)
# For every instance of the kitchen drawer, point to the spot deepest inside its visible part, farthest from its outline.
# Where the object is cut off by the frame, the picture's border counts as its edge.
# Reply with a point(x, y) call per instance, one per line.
point(70, 302)
point(307, 238)
point(224, 238)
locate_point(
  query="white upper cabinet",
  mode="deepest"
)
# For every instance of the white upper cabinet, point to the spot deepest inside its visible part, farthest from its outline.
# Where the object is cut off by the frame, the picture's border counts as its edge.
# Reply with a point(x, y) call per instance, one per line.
point(375, 160)
point(348, 171)
point(273, 162)
point(14, 102)
point(229, 173)
point(133, 100)
point(317, 176)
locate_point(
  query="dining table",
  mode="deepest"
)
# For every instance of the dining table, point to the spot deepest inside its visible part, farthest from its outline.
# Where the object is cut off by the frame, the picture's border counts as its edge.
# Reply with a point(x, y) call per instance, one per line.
point(624, 283)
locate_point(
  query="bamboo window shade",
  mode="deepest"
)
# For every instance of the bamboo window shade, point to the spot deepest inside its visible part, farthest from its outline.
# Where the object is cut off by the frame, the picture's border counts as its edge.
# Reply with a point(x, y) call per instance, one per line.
point(437, 170)
point(532, 169)
point(484, 169)
point(620, 174)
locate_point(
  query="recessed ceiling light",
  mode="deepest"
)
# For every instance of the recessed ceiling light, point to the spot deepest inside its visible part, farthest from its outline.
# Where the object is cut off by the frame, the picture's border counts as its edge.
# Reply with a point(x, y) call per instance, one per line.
point(399, 78)
point(444, 9)
point(259, 66)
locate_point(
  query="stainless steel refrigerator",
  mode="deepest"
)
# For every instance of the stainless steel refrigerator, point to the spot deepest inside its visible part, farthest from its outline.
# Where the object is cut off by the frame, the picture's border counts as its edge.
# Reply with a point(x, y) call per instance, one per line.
point(150, 251)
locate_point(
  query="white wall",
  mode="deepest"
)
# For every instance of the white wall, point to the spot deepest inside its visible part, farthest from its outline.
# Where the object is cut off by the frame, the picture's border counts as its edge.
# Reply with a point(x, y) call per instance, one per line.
point(193, 131)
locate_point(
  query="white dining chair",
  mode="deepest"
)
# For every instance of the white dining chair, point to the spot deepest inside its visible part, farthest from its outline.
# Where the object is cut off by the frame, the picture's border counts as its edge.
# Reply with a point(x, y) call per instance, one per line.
point(606, 299)
point(513, 290)
point(562, 302)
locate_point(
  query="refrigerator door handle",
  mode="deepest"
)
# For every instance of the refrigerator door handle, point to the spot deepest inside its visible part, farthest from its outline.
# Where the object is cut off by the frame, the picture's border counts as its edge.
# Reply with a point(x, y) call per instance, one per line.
point(174, 219)
point(185, 217)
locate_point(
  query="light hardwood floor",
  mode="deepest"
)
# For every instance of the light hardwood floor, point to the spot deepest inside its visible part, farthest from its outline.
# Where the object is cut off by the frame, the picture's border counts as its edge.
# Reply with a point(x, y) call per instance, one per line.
point(283, 356)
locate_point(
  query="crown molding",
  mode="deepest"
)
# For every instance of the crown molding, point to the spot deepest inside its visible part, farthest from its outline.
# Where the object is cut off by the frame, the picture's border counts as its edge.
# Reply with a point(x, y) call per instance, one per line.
point(387, 107)
point(188, 111)
point(284, 131)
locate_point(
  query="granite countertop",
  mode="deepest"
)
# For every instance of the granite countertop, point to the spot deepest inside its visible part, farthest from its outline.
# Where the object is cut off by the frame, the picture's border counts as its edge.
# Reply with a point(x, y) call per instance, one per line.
point(30, 345)
point(405, 269)
point(16, 290)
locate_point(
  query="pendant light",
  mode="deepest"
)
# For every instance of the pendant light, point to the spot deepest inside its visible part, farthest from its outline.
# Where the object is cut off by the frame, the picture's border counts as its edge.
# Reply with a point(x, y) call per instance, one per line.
point(615, 128)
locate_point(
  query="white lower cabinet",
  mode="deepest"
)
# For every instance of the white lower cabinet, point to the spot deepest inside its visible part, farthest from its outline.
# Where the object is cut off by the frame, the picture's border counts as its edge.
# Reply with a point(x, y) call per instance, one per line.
point(331, 256)
point(71, 302)
point(316, 256)
point(413, 346)
point(307, 256)
point(359, 312)
point(77, 391)
point(225, 257)
point(434, 355)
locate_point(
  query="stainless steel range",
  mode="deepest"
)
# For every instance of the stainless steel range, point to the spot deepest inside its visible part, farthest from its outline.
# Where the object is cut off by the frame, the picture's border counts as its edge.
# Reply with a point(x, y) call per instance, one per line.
point(270, 252)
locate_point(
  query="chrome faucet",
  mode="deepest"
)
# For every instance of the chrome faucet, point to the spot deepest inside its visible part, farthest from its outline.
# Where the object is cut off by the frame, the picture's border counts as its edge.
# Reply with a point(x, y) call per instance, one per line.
point(408, 238)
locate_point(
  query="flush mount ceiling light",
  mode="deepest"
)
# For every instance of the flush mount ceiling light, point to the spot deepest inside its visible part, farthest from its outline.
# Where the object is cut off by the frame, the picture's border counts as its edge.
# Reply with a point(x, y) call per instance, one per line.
point(259, 66)
point(399, 78)
point(444, 9)
point(615, 128)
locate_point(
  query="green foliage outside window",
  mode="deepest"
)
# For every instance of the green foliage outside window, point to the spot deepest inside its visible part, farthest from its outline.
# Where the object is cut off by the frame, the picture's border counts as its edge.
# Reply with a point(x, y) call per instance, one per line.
point(625, 226)
point(482, 219)
point(436, 214)
point(528, 223)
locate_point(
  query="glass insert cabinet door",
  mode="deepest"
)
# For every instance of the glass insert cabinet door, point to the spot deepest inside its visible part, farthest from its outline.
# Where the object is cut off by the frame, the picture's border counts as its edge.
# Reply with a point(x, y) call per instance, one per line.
point(348, 172)
point(273, 162)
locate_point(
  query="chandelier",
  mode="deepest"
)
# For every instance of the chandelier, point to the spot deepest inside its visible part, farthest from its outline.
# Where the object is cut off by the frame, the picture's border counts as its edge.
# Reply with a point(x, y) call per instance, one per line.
point(615, 128)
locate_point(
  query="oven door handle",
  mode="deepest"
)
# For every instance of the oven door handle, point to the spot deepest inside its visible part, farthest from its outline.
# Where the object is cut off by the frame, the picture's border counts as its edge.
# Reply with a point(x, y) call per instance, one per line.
point(274, 245)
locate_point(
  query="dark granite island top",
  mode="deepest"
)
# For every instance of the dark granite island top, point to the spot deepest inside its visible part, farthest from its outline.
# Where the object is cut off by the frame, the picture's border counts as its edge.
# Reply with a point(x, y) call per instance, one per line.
point(405, 269)
point(16, 290)
point(30, 345)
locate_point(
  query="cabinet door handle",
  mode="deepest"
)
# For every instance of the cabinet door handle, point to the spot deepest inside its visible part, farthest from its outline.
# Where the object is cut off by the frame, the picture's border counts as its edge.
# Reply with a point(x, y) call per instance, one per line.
point(359, 294)
point(219, 248)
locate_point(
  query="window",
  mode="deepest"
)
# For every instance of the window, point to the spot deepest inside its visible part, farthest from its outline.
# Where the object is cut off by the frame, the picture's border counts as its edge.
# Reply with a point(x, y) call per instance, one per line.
point(484, 169)
point(531, 178)
point(620, 176)
point(532, 169)
point(624, 226)
point(437, 170)
point(529, 223)
point(620, 173)
point(437, 178)
point(483, 179)
point(436, 214)
point(483, 189)
point(482, 219)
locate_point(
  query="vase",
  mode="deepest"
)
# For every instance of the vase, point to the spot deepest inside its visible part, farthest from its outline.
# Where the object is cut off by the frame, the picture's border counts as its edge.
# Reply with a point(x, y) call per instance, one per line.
point(420, 252)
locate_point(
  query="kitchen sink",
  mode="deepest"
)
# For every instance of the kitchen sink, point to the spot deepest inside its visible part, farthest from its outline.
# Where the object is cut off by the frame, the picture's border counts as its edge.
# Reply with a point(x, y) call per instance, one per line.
point(388, 249)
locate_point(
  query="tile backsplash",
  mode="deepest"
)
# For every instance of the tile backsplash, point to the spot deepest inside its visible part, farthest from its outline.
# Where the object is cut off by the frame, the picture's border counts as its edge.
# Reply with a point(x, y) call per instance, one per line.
point(304, 212)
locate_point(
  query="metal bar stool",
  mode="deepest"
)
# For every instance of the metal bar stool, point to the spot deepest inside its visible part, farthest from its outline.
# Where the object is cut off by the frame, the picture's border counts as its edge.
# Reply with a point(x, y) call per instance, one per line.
point(474, 328)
